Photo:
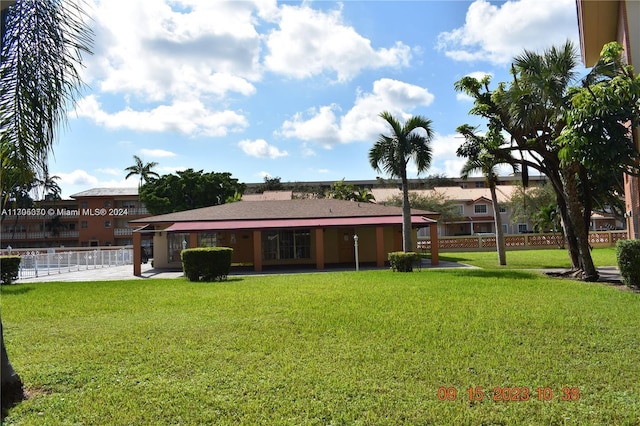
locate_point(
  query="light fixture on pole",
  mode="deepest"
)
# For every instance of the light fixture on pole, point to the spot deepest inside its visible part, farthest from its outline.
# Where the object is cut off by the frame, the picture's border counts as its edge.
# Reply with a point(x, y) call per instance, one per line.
point(355, 245)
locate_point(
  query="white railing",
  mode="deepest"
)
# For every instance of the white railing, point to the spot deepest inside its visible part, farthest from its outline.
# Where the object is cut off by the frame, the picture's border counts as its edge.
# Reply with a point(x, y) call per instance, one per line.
point(38, 235)
point(517, 241)
point(36, 264)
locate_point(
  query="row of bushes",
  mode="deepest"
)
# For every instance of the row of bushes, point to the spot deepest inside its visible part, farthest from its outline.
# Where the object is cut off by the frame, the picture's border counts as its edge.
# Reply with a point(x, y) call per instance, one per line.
point(628, 257)
point(9, 267)
point(206, 263)
point(401, 261)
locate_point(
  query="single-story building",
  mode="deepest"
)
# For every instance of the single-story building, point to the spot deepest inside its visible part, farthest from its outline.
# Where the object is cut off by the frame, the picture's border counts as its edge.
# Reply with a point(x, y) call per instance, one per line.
point(311, 232)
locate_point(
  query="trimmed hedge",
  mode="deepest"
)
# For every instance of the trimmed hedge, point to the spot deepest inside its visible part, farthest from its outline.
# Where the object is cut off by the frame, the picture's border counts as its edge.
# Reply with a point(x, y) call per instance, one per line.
point(206, 263)
point(9, 267)
point(628, 256)
point(403, 261)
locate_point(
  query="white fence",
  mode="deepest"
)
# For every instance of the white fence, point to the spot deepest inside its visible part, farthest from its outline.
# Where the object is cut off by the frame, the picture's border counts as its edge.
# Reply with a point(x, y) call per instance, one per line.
point(518, 241)
point(37, 264)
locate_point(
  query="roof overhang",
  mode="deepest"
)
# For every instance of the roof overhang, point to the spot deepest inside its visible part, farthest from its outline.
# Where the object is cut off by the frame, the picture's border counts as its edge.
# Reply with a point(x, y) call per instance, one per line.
point(598, 24)
point(245, 225)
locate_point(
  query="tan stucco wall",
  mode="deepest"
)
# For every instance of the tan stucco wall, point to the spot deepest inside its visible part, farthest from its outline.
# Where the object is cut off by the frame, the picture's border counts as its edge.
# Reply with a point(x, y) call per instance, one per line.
point(160, 256)
point(337, 249)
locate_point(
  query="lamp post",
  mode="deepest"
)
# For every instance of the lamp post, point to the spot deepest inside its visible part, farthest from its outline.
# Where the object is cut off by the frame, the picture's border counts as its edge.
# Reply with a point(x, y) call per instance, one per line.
point(355, 245)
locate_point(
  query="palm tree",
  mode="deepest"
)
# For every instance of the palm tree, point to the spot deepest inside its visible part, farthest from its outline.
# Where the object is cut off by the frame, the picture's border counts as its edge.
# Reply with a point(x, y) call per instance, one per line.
point(408, 141)
point(141, 169)
point(484, 155)
point(363, 195)
point(42, 45)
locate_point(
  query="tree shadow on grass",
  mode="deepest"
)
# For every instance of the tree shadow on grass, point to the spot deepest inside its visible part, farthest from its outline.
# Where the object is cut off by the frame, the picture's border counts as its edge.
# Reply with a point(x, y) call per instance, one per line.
point(14, 290)
point(492, 273)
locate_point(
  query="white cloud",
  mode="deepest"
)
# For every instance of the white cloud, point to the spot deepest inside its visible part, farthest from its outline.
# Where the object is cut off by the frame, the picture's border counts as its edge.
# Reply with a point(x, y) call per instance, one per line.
point(77, 177)
point(310, 42)
point(186, 117)
point(160, 49)
point(157, 153)
point(261, 149)
point(444, 160)
point(321, 127)
point(499, 33)
point(362, 121)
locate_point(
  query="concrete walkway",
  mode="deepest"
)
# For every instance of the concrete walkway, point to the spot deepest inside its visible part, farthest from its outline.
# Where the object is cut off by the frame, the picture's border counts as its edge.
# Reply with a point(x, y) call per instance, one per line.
point(608, 274)
point(126, 272)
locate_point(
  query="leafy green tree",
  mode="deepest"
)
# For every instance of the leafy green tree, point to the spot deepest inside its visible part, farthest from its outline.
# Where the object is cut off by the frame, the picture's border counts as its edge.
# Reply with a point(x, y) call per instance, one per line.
point(484, 154)
point(144, 170)
point(537, 110)
point(41, 47)
point(363, 195)
point(392, 153)
point(347, 191)
point(188, 190)
point(271, 184)
point(547, 218)
point(525, 203)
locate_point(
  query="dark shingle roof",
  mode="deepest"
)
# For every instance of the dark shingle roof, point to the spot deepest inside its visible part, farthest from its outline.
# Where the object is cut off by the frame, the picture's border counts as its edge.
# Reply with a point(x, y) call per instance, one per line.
point(282, 209)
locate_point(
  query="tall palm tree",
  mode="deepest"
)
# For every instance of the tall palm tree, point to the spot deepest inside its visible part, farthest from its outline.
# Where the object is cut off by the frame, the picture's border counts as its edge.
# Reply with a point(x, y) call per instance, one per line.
point(144, 170)
point(484, 155)
point(392, 153)
point(42, 46)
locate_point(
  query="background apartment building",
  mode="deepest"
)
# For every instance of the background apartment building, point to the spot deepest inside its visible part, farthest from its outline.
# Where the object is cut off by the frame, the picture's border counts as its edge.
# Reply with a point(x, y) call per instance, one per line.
point(93, 218)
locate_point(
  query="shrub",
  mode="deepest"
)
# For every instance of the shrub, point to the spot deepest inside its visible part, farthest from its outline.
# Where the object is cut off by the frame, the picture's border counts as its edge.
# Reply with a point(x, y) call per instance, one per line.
point(403, 261)
point(628, 256)
point(206, 263)
point(9, 266)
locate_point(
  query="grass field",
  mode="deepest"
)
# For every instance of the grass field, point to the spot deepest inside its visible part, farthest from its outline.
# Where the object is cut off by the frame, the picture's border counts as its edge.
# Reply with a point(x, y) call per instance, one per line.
point(367, 348)
point(529, 259)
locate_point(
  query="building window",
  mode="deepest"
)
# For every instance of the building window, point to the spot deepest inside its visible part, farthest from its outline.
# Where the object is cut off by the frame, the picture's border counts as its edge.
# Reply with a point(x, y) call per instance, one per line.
point(107, 204)
point(505, 228)
point(176, 243)
point(83, 205)
point(480, 209)
point(84, 224)
point(522, 228)
point(479, 184)
point(209, 239)
point(286, 245)
point(107, 224)
point(460, 209)
point(503, 209)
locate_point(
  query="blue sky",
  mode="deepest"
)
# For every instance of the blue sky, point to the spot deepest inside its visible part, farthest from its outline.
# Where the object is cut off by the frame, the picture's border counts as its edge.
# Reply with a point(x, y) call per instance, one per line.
point(287, 89)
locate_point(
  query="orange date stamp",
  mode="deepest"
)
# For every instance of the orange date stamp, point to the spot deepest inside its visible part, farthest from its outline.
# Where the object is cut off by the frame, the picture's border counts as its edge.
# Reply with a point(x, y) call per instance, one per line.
point(509, 394)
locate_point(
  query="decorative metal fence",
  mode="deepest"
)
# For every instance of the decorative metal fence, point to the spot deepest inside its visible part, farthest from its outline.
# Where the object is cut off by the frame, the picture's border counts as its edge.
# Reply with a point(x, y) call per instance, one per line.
point(37, 264)
point(518, 241)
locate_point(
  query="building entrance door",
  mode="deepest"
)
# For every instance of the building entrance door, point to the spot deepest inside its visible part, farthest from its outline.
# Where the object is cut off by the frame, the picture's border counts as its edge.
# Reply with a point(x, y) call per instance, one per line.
point(346, 245)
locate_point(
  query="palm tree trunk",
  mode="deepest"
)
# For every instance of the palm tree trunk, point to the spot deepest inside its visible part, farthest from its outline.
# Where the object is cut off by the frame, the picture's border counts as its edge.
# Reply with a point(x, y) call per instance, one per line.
point(587, 269)
point(502, 255)
point(572, 241)
point(407, 244)
point(12, 391)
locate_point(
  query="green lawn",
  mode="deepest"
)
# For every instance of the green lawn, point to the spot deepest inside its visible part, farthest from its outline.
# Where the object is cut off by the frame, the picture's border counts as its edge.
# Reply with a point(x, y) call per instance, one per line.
point(529, 259)
point(367, 348)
